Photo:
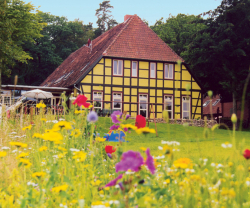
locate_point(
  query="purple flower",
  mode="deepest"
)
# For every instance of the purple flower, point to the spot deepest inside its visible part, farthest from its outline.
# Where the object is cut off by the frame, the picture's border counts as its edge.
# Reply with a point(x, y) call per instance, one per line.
point(127, 116)
point(109, 155)
point(113, 182)
point(125, 129)
point(114, 127)
point(121, 186)
point(92, 117)
point(130, 160)
point(150, 162)
point(114, 116)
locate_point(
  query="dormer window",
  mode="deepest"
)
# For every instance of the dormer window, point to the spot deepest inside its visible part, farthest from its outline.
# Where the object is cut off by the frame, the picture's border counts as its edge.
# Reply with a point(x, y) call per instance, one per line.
point(117, 67)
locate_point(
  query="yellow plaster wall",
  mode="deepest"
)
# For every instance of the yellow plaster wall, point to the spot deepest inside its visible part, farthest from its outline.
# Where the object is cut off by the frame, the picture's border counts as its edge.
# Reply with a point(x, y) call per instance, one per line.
point(155, 95)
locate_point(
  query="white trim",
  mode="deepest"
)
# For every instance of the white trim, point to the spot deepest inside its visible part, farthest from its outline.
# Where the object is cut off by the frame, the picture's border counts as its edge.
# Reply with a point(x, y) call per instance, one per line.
point(187, 102)
point(98, 95)
point(169, 101)
point(145, 99)
point(118, 61)
point(115, 96)
point(167, 73)
point(136, 69)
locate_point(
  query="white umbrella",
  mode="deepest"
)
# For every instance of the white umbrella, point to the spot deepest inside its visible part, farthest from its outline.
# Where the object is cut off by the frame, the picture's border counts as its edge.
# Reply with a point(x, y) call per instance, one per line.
point(37, 94)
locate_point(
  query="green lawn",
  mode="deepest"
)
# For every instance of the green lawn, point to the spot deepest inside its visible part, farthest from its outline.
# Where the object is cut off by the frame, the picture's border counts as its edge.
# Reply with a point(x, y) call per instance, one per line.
point(194, 143)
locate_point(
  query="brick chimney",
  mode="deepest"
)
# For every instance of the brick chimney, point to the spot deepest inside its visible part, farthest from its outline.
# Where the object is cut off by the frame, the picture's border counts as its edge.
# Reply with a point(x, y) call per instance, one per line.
point(126, 17)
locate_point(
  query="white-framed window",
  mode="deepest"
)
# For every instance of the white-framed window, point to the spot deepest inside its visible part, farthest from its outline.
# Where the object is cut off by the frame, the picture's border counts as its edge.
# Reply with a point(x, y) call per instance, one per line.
point(97, 98)
point(117, 101)
point(134, 68)
point(117, 67)
point(152, 70)
point(186, 107)
point(168, 71)
point(168, 105)
point(143, 105)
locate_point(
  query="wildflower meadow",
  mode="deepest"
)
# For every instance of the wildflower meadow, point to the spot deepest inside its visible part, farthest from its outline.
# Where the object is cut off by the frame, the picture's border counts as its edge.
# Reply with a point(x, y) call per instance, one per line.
point(80, 160)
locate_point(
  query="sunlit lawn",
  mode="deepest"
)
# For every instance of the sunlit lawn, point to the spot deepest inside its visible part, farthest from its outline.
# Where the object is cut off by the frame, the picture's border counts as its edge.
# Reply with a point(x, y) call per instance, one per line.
point(194, 143)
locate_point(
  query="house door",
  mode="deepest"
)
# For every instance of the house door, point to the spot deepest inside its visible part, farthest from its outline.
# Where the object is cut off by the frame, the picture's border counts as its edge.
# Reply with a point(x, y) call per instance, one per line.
point(143, 105)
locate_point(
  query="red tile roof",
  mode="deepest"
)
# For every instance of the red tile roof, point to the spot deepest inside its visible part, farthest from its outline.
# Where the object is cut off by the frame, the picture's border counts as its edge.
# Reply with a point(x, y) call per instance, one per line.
point(131, 39)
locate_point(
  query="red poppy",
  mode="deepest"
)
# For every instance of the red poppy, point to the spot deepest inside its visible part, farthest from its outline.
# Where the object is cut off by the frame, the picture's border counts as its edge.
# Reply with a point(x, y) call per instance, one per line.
point(81, 100)
point(110, 149)
point(247, 154)
point(140, 121)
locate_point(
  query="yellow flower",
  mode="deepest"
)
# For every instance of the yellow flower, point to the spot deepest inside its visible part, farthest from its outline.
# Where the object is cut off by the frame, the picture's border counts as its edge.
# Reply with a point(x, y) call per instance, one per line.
point(183, 163)
point(61, 148)
point(230, 164)
point(18, 144)
point(62, 125)
point(27, 127)
point(99, 139)
point(96, 183)
point(40, 105)
point(240, 168)
point(3, 154)
point(143, 148)
point(167, 150)
point(128, 126)
point(52, 136)
point(26, 162)
point(43, 119)
point(59, 188)
point(22, 155)
point(38, 174)
point(75, 133)
point(80, 156)
point(37, 135)
point(43, 148)
point(79, 111)
point(61, 155)
point(144, 130)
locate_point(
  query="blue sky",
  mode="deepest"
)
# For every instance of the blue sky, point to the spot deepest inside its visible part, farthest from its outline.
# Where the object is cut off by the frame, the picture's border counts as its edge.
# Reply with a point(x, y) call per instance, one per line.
point(147, 9)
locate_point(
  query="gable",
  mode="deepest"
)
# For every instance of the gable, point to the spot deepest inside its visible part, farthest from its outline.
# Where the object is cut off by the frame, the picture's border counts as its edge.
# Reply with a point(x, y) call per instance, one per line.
point(131, 39)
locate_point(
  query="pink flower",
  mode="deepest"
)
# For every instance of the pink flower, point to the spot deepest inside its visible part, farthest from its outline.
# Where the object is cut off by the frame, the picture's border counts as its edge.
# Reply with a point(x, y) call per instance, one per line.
point(81, 100)
point(150, 162)
point(130, 160)
point(114, 116)
point(114, 127)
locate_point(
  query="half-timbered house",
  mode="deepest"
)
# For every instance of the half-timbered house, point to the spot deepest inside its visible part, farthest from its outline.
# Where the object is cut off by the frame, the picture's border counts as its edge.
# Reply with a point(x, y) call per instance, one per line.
point(129, 68)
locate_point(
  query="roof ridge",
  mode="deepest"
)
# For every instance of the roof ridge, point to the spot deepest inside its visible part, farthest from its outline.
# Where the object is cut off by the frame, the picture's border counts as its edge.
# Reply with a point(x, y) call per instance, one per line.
point(128, 21)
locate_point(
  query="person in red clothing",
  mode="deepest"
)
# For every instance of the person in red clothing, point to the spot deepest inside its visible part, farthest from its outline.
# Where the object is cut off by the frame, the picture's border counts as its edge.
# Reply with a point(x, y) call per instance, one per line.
point(140, 121)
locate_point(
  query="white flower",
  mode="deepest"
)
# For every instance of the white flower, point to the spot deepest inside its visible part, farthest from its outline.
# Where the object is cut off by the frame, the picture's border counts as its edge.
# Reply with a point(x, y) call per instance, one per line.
point(219, 166)
point(213, 164)
point(129, 172)
point(226, 145)
point(5, 148)
point(174, 143)
point(160, 148)
point(30, 183)
point(13, 132)
point(64, 206)
point(61, 119)
point(159, 157)
point(114, 202)
point(74, 150)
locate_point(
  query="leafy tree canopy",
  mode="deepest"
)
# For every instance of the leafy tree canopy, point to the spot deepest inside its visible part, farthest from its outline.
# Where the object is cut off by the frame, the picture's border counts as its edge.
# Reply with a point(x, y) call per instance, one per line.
point(19, 23)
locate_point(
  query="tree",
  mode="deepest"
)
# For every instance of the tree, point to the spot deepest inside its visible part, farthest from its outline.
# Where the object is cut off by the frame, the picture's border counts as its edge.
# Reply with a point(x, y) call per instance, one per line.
point(105, 20)
point(60, 38)
point(178, 31)
point(220, 53)
point(19, 23)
